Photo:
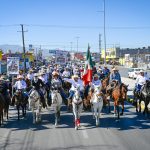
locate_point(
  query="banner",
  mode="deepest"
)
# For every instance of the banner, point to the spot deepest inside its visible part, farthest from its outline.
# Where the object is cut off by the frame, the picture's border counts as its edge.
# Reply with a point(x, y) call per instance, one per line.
point(61, 57)
point(0, 55)
point(12, 65)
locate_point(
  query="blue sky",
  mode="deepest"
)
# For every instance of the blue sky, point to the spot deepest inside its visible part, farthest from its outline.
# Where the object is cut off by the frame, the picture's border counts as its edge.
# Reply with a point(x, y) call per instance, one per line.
point(127, 23)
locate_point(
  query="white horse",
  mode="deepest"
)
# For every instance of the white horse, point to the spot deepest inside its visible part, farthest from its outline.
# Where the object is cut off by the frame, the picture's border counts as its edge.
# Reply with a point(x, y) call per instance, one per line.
point(97, 102)
point(77, 106)
point(35, 105)
point(56, 103)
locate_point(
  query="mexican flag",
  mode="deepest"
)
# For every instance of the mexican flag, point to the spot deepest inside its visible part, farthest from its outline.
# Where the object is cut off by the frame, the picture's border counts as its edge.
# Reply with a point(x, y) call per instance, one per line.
point(87, 75)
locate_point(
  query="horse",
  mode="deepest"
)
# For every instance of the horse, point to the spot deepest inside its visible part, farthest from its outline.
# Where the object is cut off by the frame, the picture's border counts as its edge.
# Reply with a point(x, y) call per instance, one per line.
point(137, 99)
point(20, 100)
point(56, 103)
point(119, 95)
point(35, 105)
point(43, 90)
point(2, 104)
point(77, 106)
point(105, 84)
point(7, 101)
point(97, 103)
point(145, 95)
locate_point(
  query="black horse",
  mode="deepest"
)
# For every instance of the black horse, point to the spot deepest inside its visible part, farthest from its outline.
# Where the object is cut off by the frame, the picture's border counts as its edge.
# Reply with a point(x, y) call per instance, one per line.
point(145, 95)
point(20, 100)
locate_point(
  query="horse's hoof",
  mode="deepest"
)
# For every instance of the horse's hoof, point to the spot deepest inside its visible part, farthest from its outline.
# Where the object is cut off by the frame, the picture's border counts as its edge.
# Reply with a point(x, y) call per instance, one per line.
point(121, 114)
point(76, 128)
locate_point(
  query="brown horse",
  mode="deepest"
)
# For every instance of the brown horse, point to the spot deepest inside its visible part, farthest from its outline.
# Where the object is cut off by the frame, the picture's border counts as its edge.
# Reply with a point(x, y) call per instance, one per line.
point(2, 105)
point(105, 83)
point(87, 100)
point(119, 95)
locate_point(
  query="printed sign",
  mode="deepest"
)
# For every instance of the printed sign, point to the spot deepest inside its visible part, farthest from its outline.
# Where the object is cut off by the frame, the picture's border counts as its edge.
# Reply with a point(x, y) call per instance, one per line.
point(12, 65)
point(61, 57)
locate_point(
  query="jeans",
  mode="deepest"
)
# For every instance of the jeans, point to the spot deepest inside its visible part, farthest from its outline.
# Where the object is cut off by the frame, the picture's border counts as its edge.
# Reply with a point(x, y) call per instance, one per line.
point(72, 94)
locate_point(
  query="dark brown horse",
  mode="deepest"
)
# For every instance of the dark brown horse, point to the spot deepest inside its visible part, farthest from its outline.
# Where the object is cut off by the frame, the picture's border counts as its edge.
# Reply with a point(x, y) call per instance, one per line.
point(2, 104)
point(105, 83)
point(119, 95)
point(145, 96)
point(20, 101)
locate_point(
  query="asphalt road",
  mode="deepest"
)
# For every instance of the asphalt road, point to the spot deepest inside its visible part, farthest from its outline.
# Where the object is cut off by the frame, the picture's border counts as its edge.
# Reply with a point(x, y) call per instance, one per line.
point(132, 132)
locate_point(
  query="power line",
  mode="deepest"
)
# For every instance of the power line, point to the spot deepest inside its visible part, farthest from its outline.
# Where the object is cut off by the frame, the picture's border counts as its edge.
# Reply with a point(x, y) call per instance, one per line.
point(79, 27)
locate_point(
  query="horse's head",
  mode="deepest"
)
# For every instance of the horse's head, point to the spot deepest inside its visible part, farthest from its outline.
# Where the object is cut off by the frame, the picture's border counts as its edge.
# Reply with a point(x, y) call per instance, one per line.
point(34, 96)
point(77, 92)
point(148, 87)
point(54, 96)
point(124, 90)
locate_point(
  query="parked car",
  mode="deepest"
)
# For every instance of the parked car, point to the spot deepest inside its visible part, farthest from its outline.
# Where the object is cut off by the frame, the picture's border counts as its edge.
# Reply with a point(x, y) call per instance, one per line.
point(133, 72)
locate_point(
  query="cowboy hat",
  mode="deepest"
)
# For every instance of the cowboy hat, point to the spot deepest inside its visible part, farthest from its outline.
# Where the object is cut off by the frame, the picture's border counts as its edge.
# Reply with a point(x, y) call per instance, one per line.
point(96, 76)
point(75, 76)
point(2, 77)
point(114, 69)
point(19, 77)
point(36, 75)
point(55, 73)
point(141, 71)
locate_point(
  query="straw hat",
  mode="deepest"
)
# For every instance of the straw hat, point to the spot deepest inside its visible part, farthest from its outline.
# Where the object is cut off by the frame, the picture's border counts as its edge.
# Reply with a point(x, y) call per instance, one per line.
point(96, 76)
point(55, 73)
point(141, 71)
point(75, 76)
point(114, 69)
point(36, 75)
point(2, 77)
point(19, 77)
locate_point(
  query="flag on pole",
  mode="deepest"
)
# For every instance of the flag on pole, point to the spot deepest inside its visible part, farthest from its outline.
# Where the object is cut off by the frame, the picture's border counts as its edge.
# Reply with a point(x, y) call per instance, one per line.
point(87, 75)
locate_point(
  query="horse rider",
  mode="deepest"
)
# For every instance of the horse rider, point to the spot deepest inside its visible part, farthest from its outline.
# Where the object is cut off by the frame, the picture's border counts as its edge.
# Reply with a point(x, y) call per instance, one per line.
point(140, 81)
point(75, 82)
point(4, 88)
point(106, 71)
point(20, 85)
point(66, 73)
point(30, 75)
point(37, 84)
point(100, 73)
point(96, 81)
point(115, 75)
point(56, 83)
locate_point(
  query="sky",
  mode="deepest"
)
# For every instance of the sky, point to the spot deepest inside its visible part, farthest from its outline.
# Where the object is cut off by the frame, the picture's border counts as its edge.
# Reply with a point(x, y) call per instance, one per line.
point(57, 23)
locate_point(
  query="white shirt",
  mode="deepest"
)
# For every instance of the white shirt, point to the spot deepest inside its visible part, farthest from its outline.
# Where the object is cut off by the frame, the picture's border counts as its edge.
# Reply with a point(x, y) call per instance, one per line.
point(30, 76)
point(96, 83)
point(66, 74)
point(79, 84)
point(19, 85)
point(43, 79)
point(141, 80)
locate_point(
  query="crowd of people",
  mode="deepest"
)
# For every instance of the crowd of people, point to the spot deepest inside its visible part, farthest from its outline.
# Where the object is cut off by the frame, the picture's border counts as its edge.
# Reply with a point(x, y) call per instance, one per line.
point(53, 77)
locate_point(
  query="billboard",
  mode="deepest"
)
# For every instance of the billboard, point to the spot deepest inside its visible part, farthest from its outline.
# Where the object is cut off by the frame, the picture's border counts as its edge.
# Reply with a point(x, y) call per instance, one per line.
point(12, 65)
point(61, 57)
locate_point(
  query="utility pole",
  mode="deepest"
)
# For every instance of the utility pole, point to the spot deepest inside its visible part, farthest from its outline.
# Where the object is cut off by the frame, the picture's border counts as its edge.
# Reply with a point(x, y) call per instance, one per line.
point(77, 42)
point(71, 47)
point(100, 46)
point(24, 50)
point(104, 35)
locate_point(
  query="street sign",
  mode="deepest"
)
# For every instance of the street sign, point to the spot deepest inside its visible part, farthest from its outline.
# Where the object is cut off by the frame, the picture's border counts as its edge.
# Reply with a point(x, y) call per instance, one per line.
point(12, 65)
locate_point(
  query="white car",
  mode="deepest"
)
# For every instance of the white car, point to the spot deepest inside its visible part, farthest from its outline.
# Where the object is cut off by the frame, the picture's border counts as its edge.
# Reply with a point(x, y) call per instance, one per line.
point(133, 72)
